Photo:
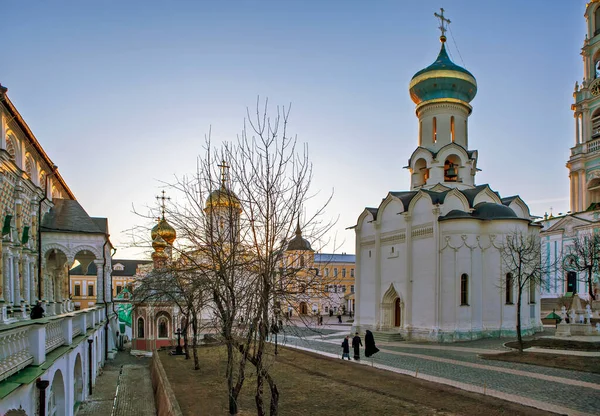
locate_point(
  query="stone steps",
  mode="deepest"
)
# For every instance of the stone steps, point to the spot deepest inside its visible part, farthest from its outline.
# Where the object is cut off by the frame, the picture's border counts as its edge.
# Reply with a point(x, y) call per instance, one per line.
point(387, 336)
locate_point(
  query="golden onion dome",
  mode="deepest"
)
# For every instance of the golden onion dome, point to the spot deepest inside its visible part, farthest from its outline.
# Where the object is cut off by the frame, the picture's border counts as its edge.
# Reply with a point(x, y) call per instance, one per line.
point(159, 244)
point(223, 197)
point(160, 255)
point(164, 230)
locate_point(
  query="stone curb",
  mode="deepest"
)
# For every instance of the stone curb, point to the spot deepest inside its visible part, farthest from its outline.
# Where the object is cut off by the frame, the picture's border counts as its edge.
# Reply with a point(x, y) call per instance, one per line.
point(162, 389)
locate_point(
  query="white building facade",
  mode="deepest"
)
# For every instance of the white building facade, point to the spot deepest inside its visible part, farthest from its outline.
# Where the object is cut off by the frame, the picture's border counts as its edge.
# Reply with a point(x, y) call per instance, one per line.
point(48, 365)
point(428, 262)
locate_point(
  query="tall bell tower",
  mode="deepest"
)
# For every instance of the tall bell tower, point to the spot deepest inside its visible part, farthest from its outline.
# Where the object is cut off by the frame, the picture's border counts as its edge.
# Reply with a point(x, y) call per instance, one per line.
point(584, 163)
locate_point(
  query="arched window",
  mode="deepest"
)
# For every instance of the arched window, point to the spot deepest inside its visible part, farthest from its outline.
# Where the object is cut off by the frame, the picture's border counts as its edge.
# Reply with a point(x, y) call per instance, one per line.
point(450, 171)
point(42, 179)
point(10, 148)
point(140, 328)
point(29, 167)
point(452, 127)
point(464, 289)
point(163, 327)
point(597, 21)
point(434, 130)
point(509, 288)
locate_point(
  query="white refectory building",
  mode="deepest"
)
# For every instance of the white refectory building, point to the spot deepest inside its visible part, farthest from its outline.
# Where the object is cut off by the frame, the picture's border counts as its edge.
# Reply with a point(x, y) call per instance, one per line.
point(48, 365)
point(427, 259)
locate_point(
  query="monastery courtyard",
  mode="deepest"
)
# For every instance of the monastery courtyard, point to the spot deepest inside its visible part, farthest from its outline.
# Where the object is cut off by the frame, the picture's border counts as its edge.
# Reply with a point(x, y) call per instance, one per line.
point(459, 365)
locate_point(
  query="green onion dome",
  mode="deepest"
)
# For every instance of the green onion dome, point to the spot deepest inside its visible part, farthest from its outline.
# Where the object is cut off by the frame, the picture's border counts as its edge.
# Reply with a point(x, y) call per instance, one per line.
point(443, 81)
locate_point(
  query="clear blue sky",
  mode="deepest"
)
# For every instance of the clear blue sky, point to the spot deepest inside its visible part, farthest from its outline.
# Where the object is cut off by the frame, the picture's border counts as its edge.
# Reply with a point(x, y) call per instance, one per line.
point(121, 94)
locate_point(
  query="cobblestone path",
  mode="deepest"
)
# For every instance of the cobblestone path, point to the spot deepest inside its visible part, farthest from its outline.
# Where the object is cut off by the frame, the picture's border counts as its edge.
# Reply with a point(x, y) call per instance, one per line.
point(123, 389)
point(552, 389)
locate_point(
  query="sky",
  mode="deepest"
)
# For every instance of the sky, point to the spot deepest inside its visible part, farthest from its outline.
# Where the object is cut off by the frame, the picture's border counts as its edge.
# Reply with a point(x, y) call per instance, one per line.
point(122, 93)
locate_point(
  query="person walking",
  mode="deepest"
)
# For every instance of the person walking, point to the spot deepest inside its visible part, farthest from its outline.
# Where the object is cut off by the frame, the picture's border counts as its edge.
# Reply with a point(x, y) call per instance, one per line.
point(346, 348)
point(37, 311)
point(339, 318)
point(370, 347)
point(356, 344)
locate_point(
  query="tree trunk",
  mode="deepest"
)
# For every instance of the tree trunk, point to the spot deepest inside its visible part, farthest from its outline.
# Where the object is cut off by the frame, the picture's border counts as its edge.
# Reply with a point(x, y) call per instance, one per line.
point(274, 407)
point(519, 337)
point(186, 349)
point(258, 398)
point(590, 280)
point(195, 343)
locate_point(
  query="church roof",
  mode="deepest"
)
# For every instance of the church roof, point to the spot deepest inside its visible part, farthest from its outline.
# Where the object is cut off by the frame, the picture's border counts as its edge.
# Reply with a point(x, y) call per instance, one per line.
point(480, 211)
point(484, 211)
point(129, 268)
point(334, 258)
point(299, 243)
point(507, 200)
point(443, 80)
point(373, 212)
point(67, 216)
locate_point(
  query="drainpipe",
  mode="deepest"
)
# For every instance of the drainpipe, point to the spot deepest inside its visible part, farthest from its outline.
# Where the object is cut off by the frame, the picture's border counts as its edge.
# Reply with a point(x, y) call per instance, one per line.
point(90, 358)
point(39, 230)
point(42, 385)
point(104, 299)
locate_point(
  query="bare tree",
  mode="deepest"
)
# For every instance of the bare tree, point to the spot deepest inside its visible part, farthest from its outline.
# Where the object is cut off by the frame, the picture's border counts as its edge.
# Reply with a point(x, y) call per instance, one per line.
point(273, 178)
point(234, 218)
point(522, 261)
point(583, 256)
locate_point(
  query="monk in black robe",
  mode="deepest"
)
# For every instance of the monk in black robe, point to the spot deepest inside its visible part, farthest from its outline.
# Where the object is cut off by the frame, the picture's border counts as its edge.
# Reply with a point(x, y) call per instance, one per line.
point(370, 347)
point(356, 343)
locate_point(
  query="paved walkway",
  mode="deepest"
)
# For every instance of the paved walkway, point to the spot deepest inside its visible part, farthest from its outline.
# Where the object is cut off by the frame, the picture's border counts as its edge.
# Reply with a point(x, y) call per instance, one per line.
point(459, 365)
point(123, 389)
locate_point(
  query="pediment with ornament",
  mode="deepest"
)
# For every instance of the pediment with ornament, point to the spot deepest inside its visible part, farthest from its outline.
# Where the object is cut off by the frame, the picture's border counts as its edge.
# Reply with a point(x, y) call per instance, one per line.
point(568, 225)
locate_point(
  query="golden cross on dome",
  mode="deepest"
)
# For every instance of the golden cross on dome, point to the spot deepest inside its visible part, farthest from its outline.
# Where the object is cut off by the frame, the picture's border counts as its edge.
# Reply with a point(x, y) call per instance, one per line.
point(163, 198)
point(223, 166)
point(443, 23)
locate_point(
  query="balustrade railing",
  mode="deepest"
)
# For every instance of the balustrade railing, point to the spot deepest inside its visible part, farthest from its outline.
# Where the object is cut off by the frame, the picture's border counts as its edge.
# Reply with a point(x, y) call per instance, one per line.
point(54, 335)
point(14, 351)
point(593, 146)
point(31, 340)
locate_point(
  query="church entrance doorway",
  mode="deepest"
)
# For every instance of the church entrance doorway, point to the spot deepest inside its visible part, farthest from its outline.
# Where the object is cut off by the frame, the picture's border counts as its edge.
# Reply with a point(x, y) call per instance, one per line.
point(397, 313)
point(571, 282)
point(391, 310)
point(303, 308)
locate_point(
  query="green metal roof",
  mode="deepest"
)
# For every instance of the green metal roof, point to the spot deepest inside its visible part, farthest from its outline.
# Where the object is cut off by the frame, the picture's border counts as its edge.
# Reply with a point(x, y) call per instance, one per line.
point(443, 62)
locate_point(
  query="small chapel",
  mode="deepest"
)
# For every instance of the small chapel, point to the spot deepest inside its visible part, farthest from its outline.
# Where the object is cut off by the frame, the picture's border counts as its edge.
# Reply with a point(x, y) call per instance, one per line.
point(428, 259)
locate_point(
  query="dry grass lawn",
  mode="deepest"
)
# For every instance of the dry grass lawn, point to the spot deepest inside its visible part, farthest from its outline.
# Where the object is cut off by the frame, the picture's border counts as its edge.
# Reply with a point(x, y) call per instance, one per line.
point(311, 384)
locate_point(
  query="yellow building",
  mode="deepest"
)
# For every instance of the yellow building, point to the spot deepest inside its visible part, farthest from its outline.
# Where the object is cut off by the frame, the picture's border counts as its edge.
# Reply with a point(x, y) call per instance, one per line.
point(337, 274)
point(316, 283)
point(83, 283)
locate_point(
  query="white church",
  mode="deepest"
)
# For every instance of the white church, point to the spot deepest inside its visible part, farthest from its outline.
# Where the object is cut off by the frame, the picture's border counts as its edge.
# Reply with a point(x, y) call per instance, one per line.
point(427, 259)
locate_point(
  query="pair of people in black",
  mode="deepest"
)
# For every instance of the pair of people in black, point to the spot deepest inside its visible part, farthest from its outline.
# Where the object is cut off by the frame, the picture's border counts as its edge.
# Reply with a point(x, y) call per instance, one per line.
point(357, 343)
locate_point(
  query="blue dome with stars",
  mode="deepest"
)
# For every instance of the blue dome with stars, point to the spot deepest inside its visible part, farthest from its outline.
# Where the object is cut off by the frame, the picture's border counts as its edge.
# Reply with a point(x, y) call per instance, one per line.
point(443, 80)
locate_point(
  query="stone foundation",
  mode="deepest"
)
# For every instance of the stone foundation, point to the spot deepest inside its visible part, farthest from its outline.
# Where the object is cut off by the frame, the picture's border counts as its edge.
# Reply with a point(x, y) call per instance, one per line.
point(166, 403)
point(458, 335)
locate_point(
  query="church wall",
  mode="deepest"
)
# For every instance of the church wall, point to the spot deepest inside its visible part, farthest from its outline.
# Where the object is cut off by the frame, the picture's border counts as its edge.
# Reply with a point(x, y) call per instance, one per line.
point(421, 299)
point(366, 227)
point(366, 290)
point(452, 202)
point(389, 218)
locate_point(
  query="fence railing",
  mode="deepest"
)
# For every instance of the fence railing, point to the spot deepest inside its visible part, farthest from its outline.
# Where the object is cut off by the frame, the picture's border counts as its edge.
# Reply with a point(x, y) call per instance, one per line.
point(28, 341)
